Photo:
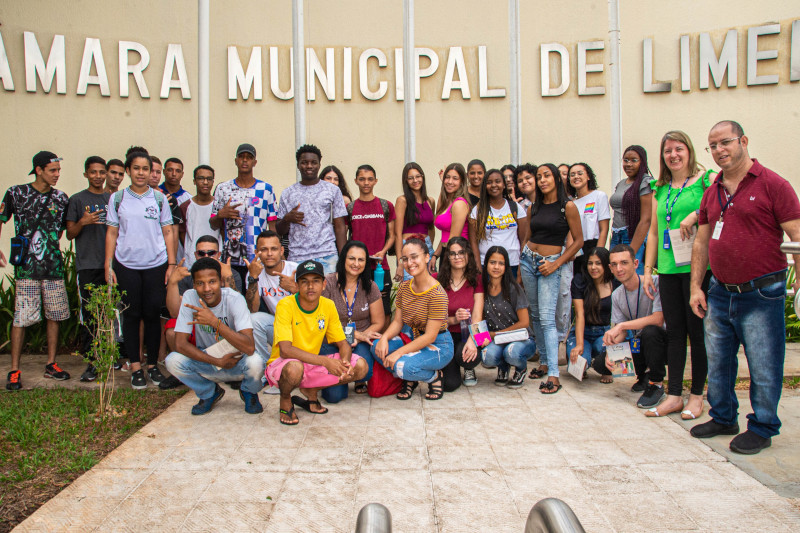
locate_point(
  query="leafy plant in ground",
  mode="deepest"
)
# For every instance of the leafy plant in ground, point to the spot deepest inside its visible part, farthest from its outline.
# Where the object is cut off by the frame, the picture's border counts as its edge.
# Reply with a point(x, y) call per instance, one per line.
point(103, 306)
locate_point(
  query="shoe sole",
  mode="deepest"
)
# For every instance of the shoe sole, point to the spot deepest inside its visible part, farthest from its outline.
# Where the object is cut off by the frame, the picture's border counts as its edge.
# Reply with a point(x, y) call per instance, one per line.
point(139, 387)
point(470, 383)
point(500, 383)
point(49, 376)
point(515, 386)
point(13, 388)
point(751, 451)
point(87, 380)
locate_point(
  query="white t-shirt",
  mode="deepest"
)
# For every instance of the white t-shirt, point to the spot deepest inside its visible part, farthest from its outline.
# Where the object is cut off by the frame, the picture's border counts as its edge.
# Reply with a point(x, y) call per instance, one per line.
point(232, 309)
point(318, 202)
point(501, 230)
point(197, 224)
point(269, 287)
point(140, 244)
point(593, 208)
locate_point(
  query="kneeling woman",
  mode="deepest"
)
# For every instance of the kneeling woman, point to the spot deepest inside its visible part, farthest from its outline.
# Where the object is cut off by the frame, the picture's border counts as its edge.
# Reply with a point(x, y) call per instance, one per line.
point(359, 305)
point(591, 296)
point(422, 315)
point(505, 308)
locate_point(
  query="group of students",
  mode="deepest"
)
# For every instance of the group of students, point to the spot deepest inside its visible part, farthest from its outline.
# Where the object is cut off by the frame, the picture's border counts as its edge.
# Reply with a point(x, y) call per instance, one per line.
point(299, 291)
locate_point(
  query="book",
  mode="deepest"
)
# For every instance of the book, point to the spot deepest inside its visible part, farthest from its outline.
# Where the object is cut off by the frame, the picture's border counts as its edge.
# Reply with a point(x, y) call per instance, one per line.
point(480, 333)
point(221, 349)
point(620, 355)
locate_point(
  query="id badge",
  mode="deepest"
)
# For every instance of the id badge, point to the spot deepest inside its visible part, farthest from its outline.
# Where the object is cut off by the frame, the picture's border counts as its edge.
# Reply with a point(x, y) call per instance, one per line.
point(717, 230)
point(350, 333)
point(667, 242)
point(636, 345)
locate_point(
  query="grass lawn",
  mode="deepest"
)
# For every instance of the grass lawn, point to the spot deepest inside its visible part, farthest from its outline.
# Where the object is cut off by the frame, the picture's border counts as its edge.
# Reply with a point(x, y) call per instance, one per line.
point(49, 437)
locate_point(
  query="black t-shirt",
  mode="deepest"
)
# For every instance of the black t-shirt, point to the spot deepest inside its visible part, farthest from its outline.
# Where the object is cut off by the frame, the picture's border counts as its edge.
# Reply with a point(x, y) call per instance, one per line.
point(41, 217)
point(90, 244)
point(578, 290)
point(500, 313)
point(473, 200)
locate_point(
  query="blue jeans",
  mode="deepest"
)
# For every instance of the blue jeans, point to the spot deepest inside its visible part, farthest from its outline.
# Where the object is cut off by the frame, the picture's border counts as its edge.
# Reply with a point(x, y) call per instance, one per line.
point(620, 236)
point(201, 377)
point(428, 242)
point(421, 365)
point(542, 293)
point(262, 333)
point(328, 262)
point(337, 393)
point(514, 354)
point(756, 320)
point(592, 342)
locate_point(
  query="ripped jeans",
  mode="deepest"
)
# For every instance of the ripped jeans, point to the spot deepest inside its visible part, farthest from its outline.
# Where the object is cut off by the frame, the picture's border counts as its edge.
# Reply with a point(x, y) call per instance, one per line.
point(421, 365)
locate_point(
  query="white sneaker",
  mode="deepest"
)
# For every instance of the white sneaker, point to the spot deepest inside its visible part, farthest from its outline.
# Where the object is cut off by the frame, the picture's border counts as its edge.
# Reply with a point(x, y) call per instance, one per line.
point(272, 390)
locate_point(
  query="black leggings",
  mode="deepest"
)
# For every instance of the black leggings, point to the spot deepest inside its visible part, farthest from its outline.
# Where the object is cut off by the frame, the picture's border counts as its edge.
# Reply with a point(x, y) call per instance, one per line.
point(452, 372)
point(680, 320)
point(143, 295)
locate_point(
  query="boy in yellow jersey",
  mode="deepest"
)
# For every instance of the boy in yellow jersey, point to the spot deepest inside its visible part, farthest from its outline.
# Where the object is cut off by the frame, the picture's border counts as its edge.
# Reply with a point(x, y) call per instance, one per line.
point(302, 322)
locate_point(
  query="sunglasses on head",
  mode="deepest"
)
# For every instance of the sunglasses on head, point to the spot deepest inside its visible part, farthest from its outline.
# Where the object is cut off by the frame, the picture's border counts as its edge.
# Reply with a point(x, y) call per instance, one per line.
point(206, 253)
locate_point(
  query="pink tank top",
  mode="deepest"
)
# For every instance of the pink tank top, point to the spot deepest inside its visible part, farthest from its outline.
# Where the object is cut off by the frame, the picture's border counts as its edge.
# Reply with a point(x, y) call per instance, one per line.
point(444, 221)
point(424, 220)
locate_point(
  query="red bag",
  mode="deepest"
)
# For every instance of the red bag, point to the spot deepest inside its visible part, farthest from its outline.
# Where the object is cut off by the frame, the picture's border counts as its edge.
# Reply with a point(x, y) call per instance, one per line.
point(382, 383)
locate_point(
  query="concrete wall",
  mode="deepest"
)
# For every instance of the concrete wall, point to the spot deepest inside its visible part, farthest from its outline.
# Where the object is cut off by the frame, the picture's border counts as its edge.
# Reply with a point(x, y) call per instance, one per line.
point(350, 132)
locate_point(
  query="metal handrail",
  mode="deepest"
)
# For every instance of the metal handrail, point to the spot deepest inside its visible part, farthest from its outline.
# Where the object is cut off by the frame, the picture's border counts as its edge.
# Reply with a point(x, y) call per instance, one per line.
point(552, 515)
point(374, 518)
point(790, 247)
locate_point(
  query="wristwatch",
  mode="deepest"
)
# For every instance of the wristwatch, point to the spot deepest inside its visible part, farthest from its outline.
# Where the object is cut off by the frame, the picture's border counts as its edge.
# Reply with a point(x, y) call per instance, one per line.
point(251, 280)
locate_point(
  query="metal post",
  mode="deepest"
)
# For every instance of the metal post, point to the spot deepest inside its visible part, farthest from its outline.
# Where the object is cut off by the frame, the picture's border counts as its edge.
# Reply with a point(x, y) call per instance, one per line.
point(409, 71)
point(616, 91)
point(203, 112)
point(299, 47)
point(514, 81)
point(374, 518)
point(551, 515)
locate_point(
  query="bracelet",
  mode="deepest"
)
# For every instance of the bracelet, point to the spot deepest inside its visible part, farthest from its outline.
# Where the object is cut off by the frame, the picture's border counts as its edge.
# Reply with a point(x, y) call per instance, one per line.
point(219, 324)
point(648, 266)
point(172, 264)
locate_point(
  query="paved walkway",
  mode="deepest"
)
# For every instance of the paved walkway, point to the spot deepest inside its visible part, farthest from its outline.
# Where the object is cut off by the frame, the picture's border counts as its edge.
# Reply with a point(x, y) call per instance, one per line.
point(477, 460)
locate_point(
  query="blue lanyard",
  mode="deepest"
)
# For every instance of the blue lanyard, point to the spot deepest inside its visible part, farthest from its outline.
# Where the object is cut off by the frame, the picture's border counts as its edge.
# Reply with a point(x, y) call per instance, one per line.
point(719, 199)
point(350, 306)
point(638, 293)
point(669, 207)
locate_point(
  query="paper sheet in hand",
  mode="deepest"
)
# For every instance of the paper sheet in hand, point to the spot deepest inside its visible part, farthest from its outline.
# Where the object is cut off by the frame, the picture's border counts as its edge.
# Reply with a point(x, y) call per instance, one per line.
point(221, 349)
point(681, 250)
point(577, 368)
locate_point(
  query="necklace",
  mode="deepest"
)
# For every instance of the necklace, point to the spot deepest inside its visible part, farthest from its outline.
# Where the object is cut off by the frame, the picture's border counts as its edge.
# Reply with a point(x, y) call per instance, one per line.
point(455, 286)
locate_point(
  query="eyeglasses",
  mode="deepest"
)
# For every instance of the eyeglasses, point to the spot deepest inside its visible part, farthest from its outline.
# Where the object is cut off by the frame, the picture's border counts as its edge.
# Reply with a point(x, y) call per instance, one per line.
point(202, 178)
point(626, 161)
point(206, 253)
point(412, 257)
point(724, 143)
point(460, 253)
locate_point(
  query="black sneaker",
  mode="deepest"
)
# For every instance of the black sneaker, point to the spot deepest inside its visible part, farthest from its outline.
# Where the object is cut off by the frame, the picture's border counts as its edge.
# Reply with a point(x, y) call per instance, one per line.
point(13, 382)
point(640, 385)
point(137, 380)
point(118, 365)
point(90, 374)
point(155, 375)
point(652, 396)
point(170, 383)
point(502, 377)
point(53, 371)
point(712, 428)
point(470, 379)
point(517, 380)
point(750, 443)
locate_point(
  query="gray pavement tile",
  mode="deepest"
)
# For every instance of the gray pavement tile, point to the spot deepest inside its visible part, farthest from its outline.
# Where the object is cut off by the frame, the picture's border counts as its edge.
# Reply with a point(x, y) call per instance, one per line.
point(495, 516)
point(620, 479)
point(261, 458)
point(651, 512)
point(464, 487)
point(463, 434)
point(394, 458)
point(319, 487)
point(472, 457)
point(528, 455)
point(114, 484)
point(276, 435)
point(71, 512)
point(721, 511)
point(329, 515)
point(686, 477)
point(228, 516)
point(335, 436)
point(311, 460)
point(390, 436)
point(198, 458)
point(249, 487)
point(593, 453)
point(407, 486)
point(148, 514)
point(649, 451)
point(450, 416)
point(407, 516)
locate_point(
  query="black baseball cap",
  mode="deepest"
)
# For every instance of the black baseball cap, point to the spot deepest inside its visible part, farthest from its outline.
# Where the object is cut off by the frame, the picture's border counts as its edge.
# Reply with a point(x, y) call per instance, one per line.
point(308, 267)
point(246, 148)
point(42, 159)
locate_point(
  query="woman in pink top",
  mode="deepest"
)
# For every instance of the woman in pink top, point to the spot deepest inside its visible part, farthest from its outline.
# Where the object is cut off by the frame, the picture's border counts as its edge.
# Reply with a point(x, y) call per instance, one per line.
point(452, 208)
point(414, 212)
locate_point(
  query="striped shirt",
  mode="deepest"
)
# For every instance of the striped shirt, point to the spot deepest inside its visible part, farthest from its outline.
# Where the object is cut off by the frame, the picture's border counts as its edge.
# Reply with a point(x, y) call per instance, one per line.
point(419, 308)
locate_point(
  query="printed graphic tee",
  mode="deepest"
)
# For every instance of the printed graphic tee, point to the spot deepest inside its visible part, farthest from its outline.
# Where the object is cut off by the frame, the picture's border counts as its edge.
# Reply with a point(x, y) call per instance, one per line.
point(319, 203)
point(256, 210)
point(90, 244)
point(41, 217)
point(232, 309)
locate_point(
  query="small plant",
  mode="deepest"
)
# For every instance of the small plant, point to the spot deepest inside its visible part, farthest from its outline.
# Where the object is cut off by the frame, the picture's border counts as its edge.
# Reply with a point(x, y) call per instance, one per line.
point(103, 306)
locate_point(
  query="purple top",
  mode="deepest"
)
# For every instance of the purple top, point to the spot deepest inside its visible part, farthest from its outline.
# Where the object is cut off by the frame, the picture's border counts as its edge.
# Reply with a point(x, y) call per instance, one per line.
point(424, 220)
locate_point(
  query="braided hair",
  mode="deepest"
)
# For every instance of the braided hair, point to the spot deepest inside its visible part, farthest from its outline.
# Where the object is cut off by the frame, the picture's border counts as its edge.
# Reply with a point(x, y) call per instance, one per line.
point(631, 205)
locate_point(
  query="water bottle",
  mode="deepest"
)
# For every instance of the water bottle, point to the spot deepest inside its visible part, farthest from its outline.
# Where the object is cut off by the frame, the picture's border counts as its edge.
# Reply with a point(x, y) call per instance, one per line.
point(465, 323)
point(377, 276)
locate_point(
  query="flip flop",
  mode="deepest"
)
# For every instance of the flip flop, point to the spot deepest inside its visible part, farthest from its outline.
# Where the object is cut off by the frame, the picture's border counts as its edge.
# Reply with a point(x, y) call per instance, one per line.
point(653, 412)
point(291, 414)
point(305, 405)
point(537, 374)
point(550, 388)
point(688, 415)
point(360, 388)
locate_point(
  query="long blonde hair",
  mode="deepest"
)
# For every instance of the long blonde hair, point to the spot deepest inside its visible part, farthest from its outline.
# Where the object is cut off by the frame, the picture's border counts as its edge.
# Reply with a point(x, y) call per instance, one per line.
point(665, 175)
point(446, 199)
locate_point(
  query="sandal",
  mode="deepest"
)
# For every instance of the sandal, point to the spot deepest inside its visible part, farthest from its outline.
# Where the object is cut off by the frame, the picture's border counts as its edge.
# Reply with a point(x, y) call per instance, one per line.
point(360, 388)
point(550, 388)
point(407, 391)
point(537, 373)
point(292, 416)
point(306, 404)
point(435, 388)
